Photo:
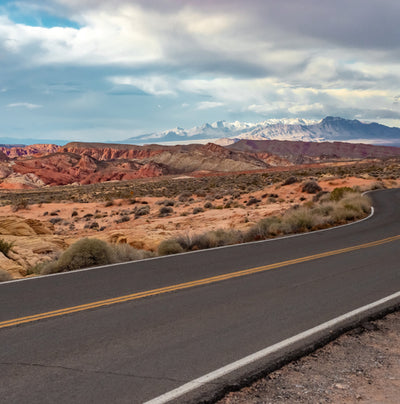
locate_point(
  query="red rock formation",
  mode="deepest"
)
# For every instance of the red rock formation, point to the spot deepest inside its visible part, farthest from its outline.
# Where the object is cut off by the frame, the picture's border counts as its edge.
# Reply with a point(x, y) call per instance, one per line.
point(68, 168)
point(31, 150)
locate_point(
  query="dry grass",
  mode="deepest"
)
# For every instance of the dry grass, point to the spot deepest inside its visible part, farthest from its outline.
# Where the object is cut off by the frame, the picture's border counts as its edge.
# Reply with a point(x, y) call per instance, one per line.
point(328, 211)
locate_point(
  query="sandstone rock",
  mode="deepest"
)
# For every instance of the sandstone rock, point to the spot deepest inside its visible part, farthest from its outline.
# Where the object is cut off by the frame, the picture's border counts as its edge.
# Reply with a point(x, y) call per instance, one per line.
point(10, 266)
point(19, 226)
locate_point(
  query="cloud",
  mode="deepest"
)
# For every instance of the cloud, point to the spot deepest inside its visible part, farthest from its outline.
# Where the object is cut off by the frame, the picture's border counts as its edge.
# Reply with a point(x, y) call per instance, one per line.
point(24, 105)
point(209, 104)
point(154, 85)
point(119, 60)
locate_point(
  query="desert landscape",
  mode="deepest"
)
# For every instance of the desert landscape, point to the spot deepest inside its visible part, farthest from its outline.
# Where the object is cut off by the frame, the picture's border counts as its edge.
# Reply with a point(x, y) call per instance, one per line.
point(143, 196)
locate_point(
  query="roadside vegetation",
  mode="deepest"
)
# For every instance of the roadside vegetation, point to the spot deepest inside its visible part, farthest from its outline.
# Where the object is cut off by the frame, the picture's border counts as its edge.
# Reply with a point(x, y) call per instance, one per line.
point(328, 209)
point(4, 276)
point(90, 252)
point(325, 210)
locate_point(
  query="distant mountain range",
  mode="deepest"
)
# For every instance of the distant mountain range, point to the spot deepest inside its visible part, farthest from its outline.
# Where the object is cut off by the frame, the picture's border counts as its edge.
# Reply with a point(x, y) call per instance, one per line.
point(329, 129)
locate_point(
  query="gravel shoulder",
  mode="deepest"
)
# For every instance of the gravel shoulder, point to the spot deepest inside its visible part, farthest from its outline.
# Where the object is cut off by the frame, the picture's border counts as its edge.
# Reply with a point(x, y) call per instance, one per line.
point(361, 366)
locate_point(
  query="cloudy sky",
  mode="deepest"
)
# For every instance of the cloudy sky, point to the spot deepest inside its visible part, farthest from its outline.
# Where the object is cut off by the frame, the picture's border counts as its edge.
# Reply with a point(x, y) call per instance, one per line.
point(96, 70)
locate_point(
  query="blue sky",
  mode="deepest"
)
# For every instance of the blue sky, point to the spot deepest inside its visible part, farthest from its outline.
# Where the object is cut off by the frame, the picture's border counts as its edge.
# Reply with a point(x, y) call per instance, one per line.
point(100, 70)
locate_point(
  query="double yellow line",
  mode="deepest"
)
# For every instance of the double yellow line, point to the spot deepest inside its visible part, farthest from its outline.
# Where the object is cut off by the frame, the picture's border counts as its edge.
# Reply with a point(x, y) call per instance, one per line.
point(186, 285)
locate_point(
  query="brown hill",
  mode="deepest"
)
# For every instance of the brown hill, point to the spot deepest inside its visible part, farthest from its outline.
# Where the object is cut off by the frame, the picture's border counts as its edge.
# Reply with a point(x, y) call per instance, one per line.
point(304, 152)
point(178, 159)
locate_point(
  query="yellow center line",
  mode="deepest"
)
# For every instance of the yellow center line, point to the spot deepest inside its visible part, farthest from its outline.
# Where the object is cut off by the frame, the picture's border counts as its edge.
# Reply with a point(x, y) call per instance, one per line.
point(186, 285)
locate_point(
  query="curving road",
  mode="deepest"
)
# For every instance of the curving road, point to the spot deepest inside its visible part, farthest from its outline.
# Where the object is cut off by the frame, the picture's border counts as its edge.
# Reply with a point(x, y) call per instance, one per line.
point(132, 332)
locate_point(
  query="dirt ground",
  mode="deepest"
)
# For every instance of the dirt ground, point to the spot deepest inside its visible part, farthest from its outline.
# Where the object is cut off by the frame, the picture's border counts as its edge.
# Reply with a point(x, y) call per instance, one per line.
point(148, 231)
point(361, 366)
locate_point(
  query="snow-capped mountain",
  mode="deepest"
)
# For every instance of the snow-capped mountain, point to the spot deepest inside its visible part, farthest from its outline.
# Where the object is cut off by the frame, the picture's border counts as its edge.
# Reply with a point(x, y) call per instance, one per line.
point(328, 129)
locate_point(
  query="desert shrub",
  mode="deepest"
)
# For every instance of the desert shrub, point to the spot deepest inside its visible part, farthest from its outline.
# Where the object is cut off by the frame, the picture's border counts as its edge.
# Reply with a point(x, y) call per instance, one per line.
point(5, 247)
point(74, 213)
point(165, 211)
point(170, 246)
point(208, 205)
point(184, 196)
point(197, 210)
point(142, 211)
point(325, 209)
point(122, 219)
point(55, 220)
point(378, 185)
point(263, 229)
point(252, 201)
point(4, 276)
point(321, 196)
point(311, 187)
point(85, 253)
point(19, 204)
point(215, 238)
point(290, 180)
point(108, 204)
point(125, 252)
point(299, 220)
point(338, 193)
point(168, 202)
point(356, 202)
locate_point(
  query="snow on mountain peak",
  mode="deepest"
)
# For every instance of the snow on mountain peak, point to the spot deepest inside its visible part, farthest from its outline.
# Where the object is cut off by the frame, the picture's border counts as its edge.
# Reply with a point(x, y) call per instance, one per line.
point(327, 129)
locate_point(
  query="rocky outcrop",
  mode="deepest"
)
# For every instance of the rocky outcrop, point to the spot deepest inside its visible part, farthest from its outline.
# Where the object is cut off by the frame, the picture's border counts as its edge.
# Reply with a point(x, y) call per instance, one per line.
point(68, 168)
point(31, 150)
point(105, 151)
point(32, 242)
point(19, 226)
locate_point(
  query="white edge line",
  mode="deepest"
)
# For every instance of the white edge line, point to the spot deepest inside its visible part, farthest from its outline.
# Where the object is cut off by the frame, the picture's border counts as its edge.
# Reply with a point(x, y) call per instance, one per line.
point(188, 252)
point(210, 377)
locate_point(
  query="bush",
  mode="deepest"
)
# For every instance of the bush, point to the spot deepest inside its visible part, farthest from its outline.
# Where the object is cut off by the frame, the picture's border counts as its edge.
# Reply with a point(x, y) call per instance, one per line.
point(5, 247)
point(19, 204)
point(142, 211)
point(4, 276)
point(215, 238)
point(122, 219)
point(168, 202)
point(85, 253)
point(263, 229)
point(252, 201)
point(338, 193)
point(197, 210)
point(165, 211)
point(311, 187)
point(290, 180)
point(300, 220)
point(170, 246)
point(125, 252)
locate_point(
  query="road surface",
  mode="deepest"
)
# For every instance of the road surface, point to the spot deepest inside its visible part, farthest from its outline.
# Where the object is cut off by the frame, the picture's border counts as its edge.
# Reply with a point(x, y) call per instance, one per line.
point(132, 332)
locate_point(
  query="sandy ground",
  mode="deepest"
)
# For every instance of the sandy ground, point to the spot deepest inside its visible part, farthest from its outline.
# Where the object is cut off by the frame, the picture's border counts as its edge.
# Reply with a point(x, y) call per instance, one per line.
point(149, 230)
point(361, 366)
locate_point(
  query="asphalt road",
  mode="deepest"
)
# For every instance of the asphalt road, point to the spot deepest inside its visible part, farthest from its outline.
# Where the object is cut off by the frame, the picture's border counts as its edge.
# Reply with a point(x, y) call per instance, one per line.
point(134, 351)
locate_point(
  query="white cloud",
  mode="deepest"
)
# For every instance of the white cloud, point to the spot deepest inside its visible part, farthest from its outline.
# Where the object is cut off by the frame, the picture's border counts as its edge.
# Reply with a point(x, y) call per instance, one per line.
point(209, 105)
point(299, 109)
point(24, 105)
point(154, 85)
